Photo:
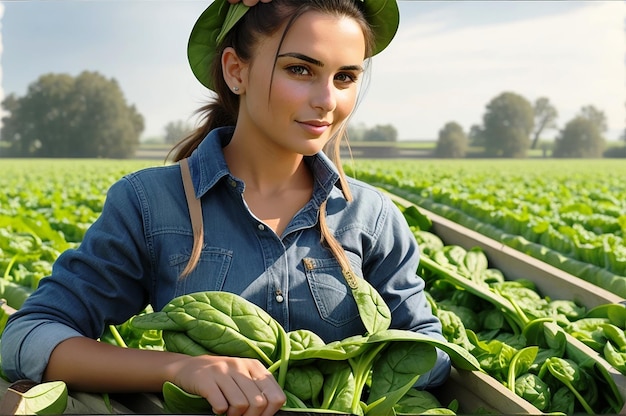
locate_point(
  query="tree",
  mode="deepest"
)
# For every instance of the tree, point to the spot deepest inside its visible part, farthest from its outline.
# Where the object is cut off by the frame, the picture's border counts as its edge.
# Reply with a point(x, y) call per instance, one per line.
point(356, 131)
point(507, 125)
point(581, 138)
point(176, 130)
point(545, 118)
point(65, 116)
point(452, 141)
point(476, 136)
point(381, 133)
point(596, 116)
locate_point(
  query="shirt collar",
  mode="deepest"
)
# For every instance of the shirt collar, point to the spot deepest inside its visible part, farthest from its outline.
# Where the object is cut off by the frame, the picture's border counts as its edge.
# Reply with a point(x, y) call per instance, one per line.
point(208, 166)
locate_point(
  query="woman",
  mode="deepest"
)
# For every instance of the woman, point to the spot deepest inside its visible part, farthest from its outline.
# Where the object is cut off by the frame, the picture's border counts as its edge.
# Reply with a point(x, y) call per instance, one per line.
point(283, 227)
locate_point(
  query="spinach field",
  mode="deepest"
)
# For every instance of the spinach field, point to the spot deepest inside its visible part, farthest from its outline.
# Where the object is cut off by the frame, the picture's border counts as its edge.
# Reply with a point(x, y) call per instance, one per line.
point(570, 213)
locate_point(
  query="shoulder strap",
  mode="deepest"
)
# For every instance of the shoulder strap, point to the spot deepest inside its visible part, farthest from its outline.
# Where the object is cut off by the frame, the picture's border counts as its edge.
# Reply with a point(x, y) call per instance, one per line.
point(195, 212)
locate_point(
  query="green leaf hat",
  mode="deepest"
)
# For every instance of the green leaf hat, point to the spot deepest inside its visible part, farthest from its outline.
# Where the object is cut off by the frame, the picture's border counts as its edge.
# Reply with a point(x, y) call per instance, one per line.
point(220, 17)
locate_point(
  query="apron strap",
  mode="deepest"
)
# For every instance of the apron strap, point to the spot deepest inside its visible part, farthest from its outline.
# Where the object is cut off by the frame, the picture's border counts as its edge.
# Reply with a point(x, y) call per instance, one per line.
point(195, 213)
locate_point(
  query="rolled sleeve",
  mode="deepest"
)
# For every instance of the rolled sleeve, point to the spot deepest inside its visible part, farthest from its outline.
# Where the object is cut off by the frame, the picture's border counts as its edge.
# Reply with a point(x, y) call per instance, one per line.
point(26, 346)
point(99, 283)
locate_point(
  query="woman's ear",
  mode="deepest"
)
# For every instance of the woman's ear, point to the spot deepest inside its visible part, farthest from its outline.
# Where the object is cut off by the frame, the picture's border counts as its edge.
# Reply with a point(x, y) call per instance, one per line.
point(234, 70)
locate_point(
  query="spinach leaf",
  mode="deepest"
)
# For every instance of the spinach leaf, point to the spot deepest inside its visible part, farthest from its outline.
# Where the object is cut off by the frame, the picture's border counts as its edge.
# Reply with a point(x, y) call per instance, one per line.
point(177, 400)
point(420, 402)
point(373, 310)
point(521, 363)
point(180, 342)
point(460, 357)
point(614, 312)
point(568, 372)
point(221, 322)
point(534, 390)
point(305, 382)
point(563, 401)
point(339, 385)
point(395, 371)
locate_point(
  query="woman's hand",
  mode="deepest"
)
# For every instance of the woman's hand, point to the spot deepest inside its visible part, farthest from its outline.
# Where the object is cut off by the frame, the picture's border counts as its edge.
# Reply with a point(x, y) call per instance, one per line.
point(249, 2)
point(233, 386)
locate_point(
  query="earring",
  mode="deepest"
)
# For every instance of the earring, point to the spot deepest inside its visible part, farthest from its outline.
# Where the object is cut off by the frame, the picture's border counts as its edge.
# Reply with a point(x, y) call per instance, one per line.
point(236, 89)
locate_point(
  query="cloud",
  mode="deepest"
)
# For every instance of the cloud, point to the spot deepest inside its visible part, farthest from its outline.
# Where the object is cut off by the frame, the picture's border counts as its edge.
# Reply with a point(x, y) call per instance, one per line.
point(434, 73)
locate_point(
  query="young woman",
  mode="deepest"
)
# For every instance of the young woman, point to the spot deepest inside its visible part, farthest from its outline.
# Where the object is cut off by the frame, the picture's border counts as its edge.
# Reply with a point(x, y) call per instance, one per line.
point(282, 223)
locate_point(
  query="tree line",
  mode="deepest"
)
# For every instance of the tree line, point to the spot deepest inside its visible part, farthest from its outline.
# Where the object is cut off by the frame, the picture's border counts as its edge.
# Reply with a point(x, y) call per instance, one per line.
point(88, 116)
point(176, 130)
point(512, 125)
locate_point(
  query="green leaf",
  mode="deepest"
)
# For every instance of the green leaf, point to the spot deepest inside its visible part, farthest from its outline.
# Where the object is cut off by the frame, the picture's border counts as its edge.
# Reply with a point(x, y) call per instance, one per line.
point(396, 370)
point(337, 350)
point(339, 385)
point(532, 389)
point(179, 401)
point(461, 358)
point(522, 362)
point(415, 218)
point(180, 342)
point(373, 310)
point(155, 320)
point(48, 398)
point(235, 12)
point(305, 382)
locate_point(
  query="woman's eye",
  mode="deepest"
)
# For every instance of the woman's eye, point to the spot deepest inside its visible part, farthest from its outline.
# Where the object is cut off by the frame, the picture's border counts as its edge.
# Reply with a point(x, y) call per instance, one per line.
point(298, 70)
point(345, 77)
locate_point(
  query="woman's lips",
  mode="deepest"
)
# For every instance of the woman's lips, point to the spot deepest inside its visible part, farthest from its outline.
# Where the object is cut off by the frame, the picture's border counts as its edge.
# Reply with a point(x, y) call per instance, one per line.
point(316, 128)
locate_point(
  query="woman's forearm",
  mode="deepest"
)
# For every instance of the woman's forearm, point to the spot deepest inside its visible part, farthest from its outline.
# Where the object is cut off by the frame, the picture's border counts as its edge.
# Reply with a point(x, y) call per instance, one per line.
point(88, 365)
point(233, 384)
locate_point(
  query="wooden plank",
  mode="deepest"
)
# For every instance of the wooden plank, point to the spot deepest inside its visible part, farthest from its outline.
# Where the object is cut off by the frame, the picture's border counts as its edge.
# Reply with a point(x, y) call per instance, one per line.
point(478, 392)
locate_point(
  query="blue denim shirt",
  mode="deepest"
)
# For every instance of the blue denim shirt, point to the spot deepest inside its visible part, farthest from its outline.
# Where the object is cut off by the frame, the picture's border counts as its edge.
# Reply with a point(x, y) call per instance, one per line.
point(135, 251)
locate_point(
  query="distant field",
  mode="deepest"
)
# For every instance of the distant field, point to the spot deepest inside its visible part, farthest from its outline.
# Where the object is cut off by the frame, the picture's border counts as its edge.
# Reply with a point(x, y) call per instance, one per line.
point(401, 149)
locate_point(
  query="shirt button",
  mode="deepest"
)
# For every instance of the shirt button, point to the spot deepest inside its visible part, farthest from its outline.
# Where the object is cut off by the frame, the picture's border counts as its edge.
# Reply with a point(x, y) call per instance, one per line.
point(261, 227)
point(233, 183)
point(279, 298)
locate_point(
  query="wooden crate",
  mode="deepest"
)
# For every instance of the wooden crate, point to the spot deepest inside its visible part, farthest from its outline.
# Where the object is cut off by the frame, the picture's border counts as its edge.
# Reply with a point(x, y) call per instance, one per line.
point(475, 390)
point(479, 393)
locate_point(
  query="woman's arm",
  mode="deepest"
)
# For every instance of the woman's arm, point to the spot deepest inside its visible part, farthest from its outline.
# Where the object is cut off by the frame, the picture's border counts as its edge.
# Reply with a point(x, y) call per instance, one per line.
point(392, 269)
point(233, 386)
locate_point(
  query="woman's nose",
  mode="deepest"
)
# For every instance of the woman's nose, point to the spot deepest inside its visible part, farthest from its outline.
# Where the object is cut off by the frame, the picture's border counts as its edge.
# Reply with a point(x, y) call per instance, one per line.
point(324, 95)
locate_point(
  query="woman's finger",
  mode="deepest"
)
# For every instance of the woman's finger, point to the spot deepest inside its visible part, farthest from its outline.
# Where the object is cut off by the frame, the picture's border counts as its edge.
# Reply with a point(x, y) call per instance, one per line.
point(274, 396)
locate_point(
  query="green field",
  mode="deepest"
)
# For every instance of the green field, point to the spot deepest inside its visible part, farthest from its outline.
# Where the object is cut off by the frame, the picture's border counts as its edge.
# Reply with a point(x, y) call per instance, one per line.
point(568, 213)
point(576, 207)
point(567, 208)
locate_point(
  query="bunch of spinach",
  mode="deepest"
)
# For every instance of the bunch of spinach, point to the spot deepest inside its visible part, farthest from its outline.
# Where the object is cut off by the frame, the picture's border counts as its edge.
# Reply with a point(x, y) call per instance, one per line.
point(360, 375)
point(502, 324)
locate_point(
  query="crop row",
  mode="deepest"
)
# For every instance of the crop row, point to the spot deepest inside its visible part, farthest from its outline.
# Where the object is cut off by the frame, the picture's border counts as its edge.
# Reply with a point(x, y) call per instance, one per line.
point(45, 208)
point(569, 214)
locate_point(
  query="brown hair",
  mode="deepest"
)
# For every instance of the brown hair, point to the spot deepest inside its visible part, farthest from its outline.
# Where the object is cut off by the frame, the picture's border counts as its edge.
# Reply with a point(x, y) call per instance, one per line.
point(263, 20)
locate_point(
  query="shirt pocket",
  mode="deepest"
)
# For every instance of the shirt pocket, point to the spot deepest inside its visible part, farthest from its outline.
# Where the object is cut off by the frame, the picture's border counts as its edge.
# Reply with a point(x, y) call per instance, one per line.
point(208, 275)
point(331, 294)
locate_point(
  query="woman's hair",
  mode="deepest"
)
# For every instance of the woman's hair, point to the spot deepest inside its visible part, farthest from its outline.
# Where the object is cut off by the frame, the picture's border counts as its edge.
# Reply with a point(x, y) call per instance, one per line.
point(263, 20)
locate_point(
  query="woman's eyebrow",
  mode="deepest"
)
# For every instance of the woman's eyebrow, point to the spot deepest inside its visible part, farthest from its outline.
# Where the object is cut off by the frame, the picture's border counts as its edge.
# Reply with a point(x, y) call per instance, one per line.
point(317, 62)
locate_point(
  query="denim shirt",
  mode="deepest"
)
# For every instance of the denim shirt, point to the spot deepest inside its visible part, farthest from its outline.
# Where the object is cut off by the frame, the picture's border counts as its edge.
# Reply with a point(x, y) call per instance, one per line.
point(134, 253)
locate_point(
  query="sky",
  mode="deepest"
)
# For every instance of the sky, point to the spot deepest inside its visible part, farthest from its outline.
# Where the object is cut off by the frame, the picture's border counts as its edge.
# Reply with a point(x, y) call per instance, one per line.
point(447, 61)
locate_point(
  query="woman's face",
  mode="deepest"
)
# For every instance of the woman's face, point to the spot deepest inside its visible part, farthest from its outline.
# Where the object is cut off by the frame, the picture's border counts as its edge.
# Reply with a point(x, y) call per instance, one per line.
point(313, 85)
